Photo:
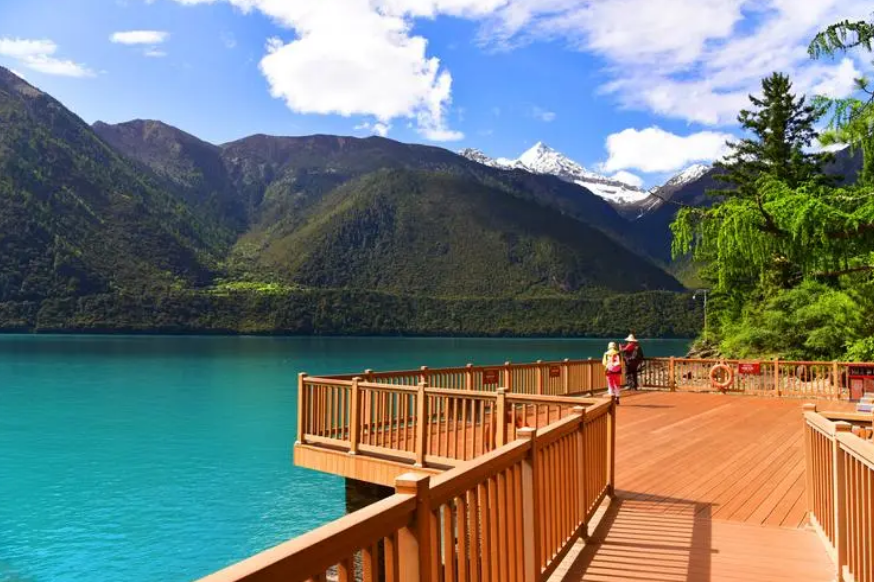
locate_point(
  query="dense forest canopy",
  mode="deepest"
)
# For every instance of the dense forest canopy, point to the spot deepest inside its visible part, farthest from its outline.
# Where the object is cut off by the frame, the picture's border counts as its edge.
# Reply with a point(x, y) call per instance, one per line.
point(789, 254)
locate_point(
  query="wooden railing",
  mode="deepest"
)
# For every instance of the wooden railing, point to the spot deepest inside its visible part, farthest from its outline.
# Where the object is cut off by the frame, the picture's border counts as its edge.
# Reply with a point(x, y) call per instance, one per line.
point(840, 493)
point(541, 378)
point(420, 424)
point(781, 378)
point(511, 514)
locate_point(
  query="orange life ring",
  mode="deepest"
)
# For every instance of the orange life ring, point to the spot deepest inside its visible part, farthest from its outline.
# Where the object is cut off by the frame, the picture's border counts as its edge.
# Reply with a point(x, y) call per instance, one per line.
point(729, 377)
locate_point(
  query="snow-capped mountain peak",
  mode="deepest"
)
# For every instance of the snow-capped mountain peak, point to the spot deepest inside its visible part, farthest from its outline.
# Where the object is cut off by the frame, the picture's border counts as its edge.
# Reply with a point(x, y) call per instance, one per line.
point(690, 174)
point(542, 159)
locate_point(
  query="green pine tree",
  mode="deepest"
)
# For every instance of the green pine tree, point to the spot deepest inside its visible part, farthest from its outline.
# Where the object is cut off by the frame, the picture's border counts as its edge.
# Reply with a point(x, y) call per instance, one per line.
point(782, 127)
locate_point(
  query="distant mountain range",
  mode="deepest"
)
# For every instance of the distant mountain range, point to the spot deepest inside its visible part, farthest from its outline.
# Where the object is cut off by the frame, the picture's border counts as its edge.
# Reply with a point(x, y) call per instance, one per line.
point(140, 226)
point(628, 199)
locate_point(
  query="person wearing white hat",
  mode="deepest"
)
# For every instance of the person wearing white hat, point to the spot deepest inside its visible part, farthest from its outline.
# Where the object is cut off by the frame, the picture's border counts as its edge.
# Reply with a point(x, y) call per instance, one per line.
point(633, 355)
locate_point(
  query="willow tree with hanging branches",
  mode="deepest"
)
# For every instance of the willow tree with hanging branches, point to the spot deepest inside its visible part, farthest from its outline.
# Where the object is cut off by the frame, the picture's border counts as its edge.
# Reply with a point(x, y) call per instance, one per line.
point(785, 237)
point(852, 118)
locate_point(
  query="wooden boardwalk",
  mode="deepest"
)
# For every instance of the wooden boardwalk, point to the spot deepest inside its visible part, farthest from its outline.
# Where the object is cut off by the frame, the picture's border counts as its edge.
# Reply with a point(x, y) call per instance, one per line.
point(709, 487)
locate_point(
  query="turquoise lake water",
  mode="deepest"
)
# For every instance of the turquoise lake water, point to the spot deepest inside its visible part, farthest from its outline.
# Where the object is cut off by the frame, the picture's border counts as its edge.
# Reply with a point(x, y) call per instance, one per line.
point(166, 458)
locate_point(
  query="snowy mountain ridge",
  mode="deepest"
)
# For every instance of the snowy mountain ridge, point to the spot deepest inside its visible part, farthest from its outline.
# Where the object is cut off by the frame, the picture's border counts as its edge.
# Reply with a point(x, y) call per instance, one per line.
point(542, 159)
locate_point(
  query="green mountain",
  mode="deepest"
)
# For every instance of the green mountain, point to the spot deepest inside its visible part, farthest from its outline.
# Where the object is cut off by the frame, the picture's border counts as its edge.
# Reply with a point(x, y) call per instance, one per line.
point(340, 212)
point(142, 227)
point(437, 233)
point(77, 218)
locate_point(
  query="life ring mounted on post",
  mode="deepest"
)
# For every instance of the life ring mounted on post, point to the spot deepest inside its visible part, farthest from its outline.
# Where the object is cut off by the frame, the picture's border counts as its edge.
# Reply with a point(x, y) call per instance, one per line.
point(727, 374)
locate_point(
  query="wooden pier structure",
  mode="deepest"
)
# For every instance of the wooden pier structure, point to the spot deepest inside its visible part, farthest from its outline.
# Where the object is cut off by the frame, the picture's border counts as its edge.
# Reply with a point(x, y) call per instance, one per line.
point(524, 472)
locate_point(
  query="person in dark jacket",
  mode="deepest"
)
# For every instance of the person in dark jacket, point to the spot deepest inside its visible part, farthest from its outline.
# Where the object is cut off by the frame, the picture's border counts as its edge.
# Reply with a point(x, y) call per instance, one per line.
point(632, 353)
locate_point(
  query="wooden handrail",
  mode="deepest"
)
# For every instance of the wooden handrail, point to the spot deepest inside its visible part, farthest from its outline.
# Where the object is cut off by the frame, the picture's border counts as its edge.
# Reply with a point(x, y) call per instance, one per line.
point(312, 553)
point(513, 501)
point(840, 471)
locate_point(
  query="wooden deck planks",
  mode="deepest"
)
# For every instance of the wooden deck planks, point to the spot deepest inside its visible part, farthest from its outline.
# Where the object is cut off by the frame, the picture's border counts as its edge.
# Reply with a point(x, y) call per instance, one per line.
point(738, 458)
point(632, 543)
point(710, 487)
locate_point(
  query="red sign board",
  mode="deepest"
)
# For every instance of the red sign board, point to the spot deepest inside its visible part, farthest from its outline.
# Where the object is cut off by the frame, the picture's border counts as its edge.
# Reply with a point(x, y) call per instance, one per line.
point(750, 368)
point(490, 376)
point(555, 371)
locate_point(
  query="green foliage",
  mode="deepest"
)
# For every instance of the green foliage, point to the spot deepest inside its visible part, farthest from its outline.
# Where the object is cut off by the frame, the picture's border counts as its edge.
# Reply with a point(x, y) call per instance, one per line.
point(811, 321)
point(851, 119)
point(841, 37)
point(338, 312)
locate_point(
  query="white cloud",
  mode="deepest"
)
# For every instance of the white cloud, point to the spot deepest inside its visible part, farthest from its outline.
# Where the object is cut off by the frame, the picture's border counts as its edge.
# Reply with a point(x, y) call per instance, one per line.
point(695, 60)
point(367, 62)
point(154, 53)
point(628, 178)
point(38, 55)
point(543, 114)
point(380, 129)
point(150, 37)
point(839, 82)
point(656, 150)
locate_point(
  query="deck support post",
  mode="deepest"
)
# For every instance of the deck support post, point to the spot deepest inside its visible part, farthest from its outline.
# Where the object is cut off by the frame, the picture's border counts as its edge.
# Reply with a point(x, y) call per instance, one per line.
point(840, 490)
point(611, 452)
point(508, 376)
point(354, 417)
point(565, 380)
point(423, 374)
point(539, 378)
point(672, 375)
point(836, 380)
point(468, 377)
point(530, 511)
point(302, 407)
point(501, 418)
point(581, 445)
point(421, 424)
point(414, 541)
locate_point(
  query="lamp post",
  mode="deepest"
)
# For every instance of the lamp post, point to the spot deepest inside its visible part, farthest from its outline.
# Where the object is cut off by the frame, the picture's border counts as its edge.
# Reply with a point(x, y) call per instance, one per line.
point(704, 293)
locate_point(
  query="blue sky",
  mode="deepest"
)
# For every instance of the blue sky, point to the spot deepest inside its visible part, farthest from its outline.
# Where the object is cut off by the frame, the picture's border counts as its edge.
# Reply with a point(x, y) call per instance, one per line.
point(619, 85)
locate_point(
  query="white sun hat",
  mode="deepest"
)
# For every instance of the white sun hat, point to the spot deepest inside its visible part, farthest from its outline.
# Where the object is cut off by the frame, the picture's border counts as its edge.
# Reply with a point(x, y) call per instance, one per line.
point(631, 338)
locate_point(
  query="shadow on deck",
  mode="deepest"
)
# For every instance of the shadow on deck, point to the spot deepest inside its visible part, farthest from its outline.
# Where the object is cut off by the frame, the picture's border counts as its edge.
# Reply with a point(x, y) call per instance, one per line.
point(632, 542)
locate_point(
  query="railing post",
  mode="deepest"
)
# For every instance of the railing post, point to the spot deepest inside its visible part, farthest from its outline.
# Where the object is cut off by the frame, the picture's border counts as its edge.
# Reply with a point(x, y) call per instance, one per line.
point(565, 380)
point(539, 388)
point(840, 490)
point(581, 445)
point(354, 417)
point(508, 376)
point(672, 375)
point(591, 377)
point(423, 374)
point(301, 408)
point(530, 509)
point(808, 455)
point(414, 541)
point(836, 380)
point(611, 453)
point(468, 377)
point(777, 377)
point(501, 419)
point(422, 422)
